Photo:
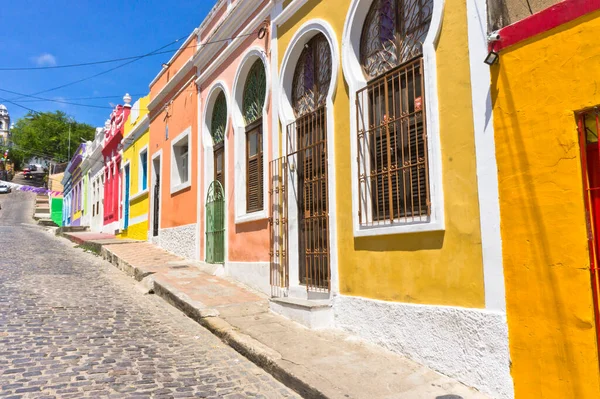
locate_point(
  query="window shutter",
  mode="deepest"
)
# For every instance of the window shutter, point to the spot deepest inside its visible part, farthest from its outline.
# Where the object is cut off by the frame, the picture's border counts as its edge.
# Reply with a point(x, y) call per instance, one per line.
point(254, 172)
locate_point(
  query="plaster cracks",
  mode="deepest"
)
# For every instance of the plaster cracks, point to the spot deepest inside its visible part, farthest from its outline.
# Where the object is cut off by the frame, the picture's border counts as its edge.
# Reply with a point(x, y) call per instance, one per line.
point(470, 345)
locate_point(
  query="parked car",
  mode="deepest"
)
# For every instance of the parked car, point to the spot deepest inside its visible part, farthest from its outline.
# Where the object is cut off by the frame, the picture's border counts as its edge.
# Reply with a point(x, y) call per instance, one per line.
point(26, 172)
point(5, 189)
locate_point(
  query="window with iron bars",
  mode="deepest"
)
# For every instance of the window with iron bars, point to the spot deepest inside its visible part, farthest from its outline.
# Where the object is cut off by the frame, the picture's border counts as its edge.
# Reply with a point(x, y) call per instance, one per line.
point(392, 148)
point(392, 133)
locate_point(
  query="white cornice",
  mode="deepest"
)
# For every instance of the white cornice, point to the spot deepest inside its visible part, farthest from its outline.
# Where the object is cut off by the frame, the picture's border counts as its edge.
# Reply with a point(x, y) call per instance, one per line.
point(138, 130)
point(160, 96)
point(287, 12)
point(225, 31)
point(179, 51)
point(210, 15)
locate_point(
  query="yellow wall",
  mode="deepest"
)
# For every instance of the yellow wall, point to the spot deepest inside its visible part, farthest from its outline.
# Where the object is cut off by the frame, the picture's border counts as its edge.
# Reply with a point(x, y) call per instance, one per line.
point(140, 205)
point(536, 87)
point(429, 268)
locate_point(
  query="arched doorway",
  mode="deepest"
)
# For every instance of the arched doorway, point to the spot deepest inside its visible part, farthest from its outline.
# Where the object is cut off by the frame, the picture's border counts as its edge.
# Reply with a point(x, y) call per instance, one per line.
point(215, 198)
point(299, 191)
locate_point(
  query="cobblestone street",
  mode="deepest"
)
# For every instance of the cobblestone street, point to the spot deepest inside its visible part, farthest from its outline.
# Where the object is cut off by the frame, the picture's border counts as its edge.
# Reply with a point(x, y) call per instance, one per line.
point(71, 325)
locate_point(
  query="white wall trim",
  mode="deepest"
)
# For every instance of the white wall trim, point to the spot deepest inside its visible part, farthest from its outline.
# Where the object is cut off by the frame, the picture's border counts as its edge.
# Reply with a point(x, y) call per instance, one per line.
point(485, 148)
point(176, 184)
point(138, 131)
point(138, 195)
point(287, 116)
point(207, 143)
point(123, 190)
point(140, 186)
point(174, 56)
point(356, 80)
point(199, 178)
point(239, 136)
point(137, 220)
point(289, 11)
point(209, 69)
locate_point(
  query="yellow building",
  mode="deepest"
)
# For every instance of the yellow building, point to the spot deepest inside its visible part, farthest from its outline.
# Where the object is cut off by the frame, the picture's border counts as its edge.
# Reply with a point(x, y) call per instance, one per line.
point(134, 223)
point(384, 202)
point(545, 107)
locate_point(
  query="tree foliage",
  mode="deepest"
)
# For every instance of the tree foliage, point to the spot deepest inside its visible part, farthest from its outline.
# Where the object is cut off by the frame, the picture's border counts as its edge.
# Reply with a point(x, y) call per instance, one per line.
point(46, 134)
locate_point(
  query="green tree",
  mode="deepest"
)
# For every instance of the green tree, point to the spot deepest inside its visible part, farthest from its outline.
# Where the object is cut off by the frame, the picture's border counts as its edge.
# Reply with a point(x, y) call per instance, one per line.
point(46, 134)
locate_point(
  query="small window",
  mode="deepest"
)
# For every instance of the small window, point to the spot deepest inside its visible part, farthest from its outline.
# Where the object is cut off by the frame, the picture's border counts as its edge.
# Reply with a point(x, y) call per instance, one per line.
point(180, 162)
point(143, 183)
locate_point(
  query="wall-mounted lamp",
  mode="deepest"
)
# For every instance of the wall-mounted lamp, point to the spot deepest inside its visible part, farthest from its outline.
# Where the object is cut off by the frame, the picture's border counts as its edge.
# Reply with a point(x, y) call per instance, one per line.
point(491, 58)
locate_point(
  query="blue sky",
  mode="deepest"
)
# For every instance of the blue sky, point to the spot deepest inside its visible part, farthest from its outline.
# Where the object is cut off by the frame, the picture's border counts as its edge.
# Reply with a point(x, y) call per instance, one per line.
point(59, 32)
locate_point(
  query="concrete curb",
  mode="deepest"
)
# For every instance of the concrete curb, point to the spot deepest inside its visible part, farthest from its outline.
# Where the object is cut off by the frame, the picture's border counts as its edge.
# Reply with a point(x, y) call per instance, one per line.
point(255, 351)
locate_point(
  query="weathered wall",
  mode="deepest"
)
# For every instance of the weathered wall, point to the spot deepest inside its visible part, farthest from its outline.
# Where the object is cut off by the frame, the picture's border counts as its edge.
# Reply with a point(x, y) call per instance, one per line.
point(536, 87)
point(506, 12)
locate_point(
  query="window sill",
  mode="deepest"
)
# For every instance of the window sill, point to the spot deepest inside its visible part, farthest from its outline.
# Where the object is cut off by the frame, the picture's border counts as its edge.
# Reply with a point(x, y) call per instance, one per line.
point(406, 228)
point(138, 195)
point(251, 217)
point(180, 187)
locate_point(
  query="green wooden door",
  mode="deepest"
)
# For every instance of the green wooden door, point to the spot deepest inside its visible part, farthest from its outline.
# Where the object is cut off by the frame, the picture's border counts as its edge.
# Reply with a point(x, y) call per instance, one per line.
point(215, 223)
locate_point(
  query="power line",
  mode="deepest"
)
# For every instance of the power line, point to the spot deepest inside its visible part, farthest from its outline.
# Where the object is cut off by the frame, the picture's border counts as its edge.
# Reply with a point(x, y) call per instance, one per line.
point(87, 98)
point(53, 100)
point(134, 57)
point(106, 71)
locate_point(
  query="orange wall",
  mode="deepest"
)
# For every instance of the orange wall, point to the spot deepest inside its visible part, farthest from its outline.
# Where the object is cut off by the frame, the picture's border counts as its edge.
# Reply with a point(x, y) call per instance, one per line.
point(176, 64)
point(180, 208)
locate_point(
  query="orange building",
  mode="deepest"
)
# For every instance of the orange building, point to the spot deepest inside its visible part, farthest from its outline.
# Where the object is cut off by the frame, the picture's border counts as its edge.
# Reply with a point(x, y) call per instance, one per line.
point(173, 145)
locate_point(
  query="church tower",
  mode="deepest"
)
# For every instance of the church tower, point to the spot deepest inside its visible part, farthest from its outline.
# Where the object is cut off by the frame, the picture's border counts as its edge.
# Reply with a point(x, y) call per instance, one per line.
point(4, 124)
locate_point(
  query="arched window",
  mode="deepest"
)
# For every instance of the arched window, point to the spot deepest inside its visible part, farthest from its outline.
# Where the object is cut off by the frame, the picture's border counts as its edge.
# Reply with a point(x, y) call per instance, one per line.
point(393, 34)
point(392, 137)
point(217, 131)
point(253, 102)
point(312, 76)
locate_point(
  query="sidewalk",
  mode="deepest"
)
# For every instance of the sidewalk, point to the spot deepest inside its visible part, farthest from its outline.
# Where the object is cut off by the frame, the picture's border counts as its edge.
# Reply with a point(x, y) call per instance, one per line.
point(317, 364)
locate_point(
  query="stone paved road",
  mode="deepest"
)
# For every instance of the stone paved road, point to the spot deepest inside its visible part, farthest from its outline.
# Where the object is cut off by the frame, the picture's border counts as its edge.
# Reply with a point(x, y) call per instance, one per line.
point(73, 326)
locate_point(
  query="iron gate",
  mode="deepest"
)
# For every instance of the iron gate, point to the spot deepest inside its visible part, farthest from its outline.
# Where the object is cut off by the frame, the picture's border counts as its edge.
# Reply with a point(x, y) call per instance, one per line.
point(215, 223)
point(278, 227)
point(307, 154)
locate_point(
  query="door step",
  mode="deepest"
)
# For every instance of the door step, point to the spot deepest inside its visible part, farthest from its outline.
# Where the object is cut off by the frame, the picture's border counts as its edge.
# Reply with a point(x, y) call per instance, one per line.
point(314, 314)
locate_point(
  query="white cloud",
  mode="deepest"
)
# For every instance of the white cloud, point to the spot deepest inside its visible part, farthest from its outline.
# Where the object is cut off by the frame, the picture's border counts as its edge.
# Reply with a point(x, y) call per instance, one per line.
point(45, 59)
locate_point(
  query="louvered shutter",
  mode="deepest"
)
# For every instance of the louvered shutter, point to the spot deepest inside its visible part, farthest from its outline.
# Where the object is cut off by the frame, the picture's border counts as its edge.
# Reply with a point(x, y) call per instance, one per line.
point(254, 170)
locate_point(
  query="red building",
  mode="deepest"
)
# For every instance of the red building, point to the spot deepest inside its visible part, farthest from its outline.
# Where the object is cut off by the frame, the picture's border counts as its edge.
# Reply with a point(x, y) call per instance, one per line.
point(111, 151)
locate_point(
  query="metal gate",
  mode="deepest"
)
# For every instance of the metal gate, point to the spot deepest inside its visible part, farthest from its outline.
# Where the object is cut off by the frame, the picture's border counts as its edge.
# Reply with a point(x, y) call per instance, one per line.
point(589, 127)
point(215, 223)
point(156, 209)
point(307, 159)
point(278, 227)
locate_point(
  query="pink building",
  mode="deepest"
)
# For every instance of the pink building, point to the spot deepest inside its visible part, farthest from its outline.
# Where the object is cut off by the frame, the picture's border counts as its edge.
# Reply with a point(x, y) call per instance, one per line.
point(235, 129)
point(111, 151)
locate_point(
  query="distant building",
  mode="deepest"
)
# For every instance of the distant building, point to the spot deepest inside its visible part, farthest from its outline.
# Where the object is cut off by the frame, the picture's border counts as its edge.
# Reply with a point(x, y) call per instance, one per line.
point(4, 124)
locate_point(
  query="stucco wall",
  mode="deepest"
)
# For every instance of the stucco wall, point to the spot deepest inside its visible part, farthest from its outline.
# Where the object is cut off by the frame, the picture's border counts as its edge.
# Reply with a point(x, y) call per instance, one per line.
point(506, 12)
point(536, 87)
